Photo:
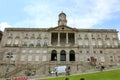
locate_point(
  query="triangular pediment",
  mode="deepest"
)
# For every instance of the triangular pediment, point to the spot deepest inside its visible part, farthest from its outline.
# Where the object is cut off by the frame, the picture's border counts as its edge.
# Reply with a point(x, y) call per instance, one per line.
point(62, 28)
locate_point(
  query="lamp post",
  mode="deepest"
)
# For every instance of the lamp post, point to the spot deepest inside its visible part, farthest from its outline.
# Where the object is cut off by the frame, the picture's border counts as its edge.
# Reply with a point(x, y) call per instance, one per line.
point(49, 67)
point(55, 58)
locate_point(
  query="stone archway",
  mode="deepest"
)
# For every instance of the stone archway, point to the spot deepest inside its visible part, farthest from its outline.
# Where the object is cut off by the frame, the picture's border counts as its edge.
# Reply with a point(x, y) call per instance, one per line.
point(63, 55)
point(54, 55)
point(72, 55)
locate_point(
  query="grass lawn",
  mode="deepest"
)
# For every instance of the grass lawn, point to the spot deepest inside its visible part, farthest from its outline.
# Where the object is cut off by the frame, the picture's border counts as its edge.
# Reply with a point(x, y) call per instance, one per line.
point(105, 75)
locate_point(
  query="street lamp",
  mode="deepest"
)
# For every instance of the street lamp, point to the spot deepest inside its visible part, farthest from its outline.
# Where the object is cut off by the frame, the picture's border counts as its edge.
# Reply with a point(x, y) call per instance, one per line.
point(49, 67)
point(55, 58)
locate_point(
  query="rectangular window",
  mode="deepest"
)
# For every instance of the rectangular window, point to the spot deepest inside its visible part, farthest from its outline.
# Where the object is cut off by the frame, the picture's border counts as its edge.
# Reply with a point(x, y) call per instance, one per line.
point(30, 58)
point(37, 51)
point(115, 43)
point(111, 58)
point(26, 36)
point(118, 58)
point(23, 57)
point(86, 36)
point(31, 43)
point(44, 58)
point(102, 59)
point(45, 43)
point(99, 36)
point(80, 43)
point(33, 36)
point(16, 41)
point(108, 43)
point(93, 43)
point(86, 43)
point(39, 36)
point(38, 43)
point(10, 35)
point(114, 36)
point(37, 58)
point(9, 41)
point(24, 43)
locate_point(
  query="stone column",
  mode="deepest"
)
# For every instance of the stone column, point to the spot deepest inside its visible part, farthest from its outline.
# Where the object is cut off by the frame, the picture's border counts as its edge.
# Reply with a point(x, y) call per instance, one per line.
point(67, 57)
point(58, 39)
point(50, 39)
point(75, 36)
point(58, 56)
point(66, 38)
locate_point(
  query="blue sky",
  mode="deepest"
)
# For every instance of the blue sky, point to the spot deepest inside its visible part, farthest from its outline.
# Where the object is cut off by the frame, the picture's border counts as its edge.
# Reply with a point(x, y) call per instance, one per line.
point(90, 14)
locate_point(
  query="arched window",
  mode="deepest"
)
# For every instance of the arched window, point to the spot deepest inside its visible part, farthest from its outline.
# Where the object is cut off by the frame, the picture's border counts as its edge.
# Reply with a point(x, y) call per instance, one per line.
point(72, 55)
point(54, 55)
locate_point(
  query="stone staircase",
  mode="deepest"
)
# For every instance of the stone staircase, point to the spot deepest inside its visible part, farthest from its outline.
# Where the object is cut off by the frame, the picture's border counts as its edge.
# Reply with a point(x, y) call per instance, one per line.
point(13, 72)
point(21, 68)
point(46, 67)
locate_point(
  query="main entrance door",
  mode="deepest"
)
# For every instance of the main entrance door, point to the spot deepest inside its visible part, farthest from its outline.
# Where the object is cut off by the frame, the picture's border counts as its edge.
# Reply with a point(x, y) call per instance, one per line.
point(63, 55)
point(72, 55)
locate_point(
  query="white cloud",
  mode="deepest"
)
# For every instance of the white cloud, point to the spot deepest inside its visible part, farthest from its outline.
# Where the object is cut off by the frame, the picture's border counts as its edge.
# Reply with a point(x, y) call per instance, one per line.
point(99, 11)
point(4, 25)
point(80, 13)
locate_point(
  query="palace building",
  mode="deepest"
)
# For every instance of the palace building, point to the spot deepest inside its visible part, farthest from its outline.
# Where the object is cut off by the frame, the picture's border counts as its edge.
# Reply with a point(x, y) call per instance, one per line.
point(44, 48)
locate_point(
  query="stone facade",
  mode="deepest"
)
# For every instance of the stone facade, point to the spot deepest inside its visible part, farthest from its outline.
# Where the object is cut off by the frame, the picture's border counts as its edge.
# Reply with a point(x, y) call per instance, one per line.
point(61, 45)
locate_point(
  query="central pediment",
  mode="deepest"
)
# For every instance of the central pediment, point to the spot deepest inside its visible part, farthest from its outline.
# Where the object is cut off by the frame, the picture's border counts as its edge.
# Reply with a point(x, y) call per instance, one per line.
point(62, 28)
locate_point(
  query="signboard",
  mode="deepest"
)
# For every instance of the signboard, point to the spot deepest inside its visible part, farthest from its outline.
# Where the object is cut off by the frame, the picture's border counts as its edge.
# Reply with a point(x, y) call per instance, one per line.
point(19, 78)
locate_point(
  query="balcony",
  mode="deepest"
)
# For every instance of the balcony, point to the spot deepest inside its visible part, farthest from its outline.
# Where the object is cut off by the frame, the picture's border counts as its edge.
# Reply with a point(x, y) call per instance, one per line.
point(93, 37)
point(39, 37)
point(15, 45)
point(26, 37)
point(107, 38)
point(31, 45)
point(80, 38)
point(99, 38)
point(10, 37)
point(86, 38)
point(38, 45)
point(17, 37)
point(86, 46)
point(7, 45)
point(81, 46)
point(24, 45)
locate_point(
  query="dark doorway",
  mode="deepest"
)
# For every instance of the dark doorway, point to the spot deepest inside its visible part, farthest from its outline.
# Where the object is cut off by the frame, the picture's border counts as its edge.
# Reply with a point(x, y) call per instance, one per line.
point(62, 55)
point(72, 55)
point(54, 55)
